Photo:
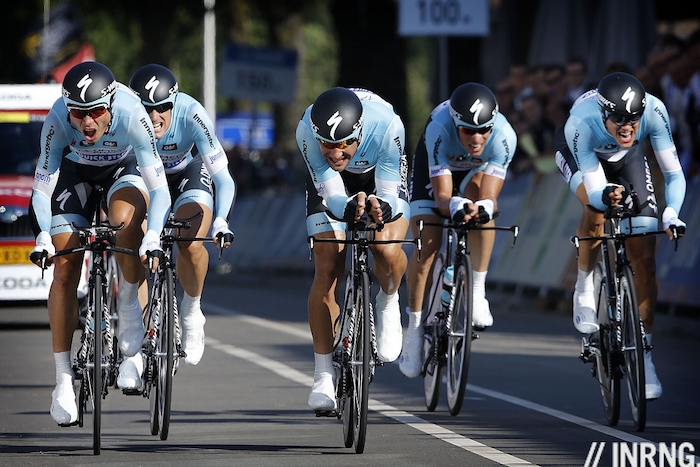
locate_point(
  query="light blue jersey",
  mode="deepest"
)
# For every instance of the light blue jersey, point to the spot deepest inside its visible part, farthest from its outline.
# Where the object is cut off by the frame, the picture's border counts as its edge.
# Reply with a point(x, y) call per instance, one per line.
point(381, 147)
point(130, 134)
point(191, 126)
point(447, 154)
point(589, 142)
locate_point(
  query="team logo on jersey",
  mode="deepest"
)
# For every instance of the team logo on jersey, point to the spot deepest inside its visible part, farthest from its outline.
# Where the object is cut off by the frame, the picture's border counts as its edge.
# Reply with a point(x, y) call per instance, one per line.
point(112, 144)
point(361, 163)
point(170, 147)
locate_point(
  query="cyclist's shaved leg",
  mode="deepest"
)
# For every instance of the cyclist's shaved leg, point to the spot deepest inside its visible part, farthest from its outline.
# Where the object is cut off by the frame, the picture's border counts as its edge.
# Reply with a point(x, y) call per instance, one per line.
point(390, 260)
point(641, 251)
point(329, 259)
point(193, 257)
point(128, 205)
point(192, 265)
point(63, 301)
point(418, 272)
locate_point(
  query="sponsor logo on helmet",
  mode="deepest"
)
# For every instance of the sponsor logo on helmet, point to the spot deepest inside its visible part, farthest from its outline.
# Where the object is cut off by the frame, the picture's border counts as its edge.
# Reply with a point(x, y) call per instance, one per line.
point(628, 97)
point(605, 102)
point(476, 109)
point(151, 87)
point(455, 114)
point(333, 122)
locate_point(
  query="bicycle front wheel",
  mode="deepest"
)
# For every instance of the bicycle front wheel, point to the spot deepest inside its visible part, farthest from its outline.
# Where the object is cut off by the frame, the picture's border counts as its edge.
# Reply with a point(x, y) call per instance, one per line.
point(433, 361)
point(361, 357)
point(633, 348)
point(96, 373)
point(459, 341)
point(606, 363)
point(166, 358)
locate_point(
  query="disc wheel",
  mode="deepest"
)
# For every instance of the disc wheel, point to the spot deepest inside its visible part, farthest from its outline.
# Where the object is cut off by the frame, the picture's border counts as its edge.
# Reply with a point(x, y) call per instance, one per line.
point(432, 360)
point(607, 371)
point(361, 360)
point(459, 338)
point(633, 348)
point(166, 353)
point(96, 372)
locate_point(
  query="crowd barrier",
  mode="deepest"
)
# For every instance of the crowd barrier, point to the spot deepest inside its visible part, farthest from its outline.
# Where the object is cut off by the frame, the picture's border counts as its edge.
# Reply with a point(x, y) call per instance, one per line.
point(270, 235)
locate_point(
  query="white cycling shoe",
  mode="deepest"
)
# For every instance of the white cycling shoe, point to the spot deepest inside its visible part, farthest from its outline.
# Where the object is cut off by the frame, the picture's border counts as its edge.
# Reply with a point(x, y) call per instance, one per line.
point(389, 331)
point(130, 372)
point(481, 313)
point(64, 410)
point(131, 330)
point(653, 387)
point(585, 315)
point(411, 359)
point(193, 336)
point(322, 395)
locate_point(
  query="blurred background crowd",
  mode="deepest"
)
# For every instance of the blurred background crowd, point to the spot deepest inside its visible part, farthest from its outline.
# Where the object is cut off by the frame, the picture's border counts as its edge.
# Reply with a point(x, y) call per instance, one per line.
point(536, 100)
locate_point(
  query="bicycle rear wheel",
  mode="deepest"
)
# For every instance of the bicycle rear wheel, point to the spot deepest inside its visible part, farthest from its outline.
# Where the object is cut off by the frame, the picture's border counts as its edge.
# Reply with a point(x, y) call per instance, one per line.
point(459, 341)
point(151, 373)
point(633, 348)
point(345, 391)
point(96, 372)
point(361, 356)
point(165, 352)
point(606, 363)
point(432, 361)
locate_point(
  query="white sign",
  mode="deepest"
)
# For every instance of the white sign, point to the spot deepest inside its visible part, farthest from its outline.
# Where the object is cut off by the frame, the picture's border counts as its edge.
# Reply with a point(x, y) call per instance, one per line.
point(262, 74)
point(443, 17)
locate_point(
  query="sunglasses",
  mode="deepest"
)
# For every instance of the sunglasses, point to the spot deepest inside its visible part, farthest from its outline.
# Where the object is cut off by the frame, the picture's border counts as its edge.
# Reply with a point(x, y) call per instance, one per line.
point(470, 131)
point(339, 145)
point(94, 113)
point(621, 120)
point(160, 108)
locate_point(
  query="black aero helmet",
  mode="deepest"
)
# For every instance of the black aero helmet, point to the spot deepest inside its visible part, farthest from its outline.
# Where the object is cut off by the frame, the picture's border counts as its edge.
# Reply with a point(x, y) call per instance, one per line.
point(336, 115)
point(622, 94)
point(89, 85)
point(154, 84)
point(473, 105)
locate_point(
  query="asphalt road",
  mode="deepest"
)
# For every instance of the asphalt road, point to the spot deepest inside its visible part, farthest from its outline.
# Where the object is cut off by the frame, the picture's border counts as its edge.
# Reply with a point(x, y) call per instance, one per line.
point(530, 401)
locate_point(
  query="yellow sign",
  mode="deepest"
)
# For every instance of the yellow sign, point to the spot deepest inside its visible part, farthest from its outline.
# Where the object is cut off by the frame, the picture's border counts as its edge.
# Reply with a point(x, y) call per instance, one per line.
point(14, 117)
point(15, 254)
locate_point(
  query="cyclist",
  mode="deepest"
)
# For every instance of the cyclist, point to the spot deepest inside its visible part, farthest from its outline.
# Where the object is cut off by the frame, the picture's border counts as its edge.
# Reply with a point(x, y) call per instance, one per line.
point(96, 133)
point(600, 154)
point(353, 144)
point(193, 157)
point(463, 155)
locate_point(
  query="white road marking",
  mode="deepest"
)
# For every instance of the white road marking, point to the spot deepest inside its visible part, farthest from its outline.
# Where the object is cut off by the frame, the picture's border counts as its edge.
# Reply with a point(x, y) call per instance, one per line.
point(413, 421)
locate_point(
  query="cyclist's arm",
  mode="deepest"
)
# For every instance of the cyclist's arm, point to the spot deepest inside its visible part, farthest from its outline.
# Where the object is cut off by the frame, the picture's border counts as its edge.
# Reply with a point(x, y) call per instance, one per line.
point(53, 141)
point(578, 137)
point(442, 192)
point(391, 170)
point(666, 153)
point(151, 167)
point(214, 158)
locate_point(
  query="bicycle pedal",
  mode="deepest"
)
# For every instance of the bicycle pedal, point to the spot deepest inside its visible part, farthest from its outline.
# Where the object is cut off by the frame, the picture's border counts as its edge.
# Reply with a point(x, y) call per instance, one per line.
point(326, 413)
point(132, 392)
point(479, 328)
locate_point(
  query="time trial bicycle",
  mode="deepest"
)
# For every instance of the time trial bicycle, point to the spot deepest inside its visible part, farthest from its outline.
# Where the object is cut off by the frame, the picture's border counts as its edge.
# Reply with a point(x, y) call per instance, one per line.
point(97, 358)
point(355, 351)
point(616, 350)
point(163, 347)
point(448, 327)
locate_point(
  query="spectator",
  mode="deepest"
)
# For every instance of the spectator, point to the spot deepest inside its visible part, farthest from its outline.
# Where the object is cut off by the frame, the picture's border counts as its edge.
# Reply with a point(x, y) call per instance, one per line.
point(577, 79)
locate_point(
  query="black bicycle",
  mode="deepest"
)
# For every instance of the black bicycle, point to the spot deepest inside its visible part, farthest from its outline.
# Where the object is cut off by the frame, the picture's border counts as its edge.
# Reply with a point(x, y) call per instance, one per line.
point(97, 359)
point(448, 327)
point(163, 345)
point(355, 350)
point(617, 349)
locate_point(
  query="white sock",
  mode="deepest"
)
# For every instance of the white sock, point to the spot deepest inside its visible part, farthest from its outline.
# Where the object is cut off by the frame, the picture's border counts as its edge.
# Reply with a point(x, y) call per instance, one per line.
point(584, 281)
point(479, 283)
point(189, 304)
point(323, 364)
point(63, 366)
point(648, 336)
point(414, 318)
point(128, 293)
